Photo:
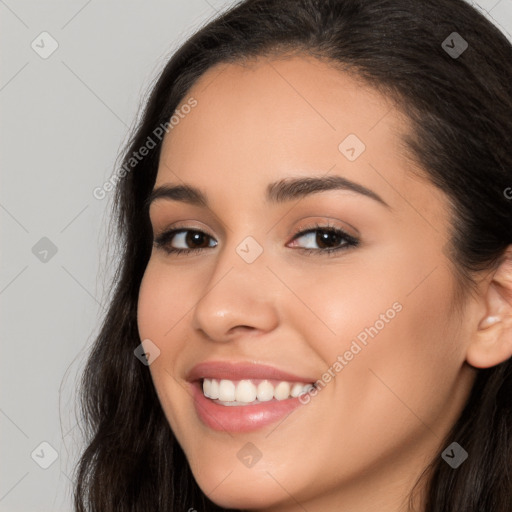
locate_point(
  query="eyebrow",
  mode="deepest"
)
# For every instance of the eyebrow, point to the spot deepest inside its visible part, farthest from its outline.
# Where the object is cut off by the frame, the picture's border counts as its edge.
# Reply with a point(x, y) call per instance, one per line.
point(284, 190)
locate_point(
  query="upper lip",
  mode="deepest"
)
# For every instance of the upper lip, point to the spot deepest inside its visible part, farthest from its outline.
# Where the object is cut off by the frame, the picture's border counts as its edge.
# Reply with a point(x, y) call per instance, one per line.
point(242, 370)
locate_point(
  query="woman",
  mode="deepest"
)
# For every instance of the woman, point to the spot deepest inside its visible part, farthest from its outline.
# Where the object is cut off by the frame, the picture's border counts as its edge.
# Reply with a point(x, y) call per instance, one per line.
point(314, 305)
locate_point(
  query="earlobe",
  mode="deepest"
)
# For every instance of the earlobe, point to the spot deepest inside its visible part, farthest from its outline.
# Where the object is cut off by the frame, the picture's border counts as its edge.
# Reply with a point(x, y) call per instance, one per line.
point(491, 342)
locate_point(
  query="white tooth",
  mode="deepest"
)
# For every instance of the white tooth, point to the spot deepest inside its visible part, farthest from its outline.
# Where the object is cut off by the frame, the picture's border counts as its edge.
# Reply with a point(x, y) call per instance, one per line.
point(214, 389)
point(245, 391)
point(226, 391)
point(207, 388)
point(265, 391)
point(282, 391)
point(308, 388)
point(296, 389)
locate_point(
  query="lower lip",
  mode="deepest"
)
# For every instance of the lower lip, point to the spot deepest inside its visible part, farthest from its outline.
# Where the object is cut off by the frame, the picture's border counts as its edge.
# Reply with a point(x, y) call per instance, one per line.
point(240, 418)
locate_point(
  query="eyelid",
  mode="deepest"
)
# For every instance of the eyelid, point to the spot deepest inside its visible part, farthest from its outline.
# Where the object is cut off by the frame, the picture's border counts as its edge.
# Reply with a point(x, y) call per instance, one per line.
point(350, 240)
point(183, 226)
point(298, 231)
point(165, 236)
point(176, 215)
point(319, 222)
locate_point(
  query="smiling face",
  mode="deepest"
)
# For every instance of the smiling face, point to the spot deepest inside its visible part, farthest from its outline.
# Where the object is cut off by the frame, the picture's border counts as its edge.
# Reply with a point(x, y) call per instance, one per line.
point(261, 283)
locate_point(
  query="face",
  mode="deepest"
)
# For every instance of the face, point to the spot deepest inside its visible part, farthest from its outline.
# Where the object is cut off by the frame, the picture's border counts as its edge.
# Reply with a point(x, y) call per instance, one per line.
point(341, 280)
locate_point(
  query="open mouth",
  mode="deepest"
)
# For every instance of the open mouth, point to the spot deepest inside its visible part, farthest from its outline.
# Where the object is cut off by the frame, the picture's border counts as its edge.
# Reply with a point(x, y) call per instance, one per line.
point(251, 391)
point(243, 396)
point(246, 405)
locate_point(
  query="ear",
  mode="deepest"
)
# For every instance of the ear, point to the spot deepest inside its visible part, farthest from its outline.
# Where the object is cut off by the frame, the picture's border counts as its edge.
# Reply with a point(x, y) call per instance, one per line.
point(491, 343)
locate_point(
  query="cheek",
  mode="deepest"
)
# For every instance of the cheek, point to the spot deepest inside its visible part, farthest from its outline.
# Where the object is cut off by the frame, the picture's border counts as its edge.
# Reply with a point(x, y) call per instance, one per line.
point(333, 305)
point(386, 335)
point(407, 361)
point(163, 301)
point(162, 304)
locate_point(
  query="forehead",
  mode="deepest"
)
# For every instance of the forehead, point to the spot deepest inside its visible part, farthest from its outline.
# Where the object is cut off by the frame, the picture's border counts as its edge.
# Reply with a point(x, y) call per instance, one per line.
point(268, 119)
point(278, 102)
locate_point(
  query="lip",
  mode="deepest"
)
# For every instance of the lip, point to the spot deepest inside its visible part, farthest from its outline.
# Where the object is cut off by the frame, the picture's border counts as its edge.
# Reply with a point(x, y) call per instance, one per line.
point(243, 370)
point(240, 418)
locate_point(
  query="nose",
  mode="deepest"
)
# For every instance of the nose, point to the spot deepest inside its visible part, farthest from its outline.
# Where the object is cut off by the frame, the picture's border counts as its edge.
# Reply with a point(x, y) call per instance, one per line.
point(238, 298)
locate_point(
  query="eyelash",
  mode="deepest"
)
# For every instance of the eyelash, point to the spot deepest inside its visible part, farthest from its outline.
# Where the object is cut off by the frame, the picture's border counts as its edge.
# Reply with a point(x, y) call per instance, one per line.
point(162, 240)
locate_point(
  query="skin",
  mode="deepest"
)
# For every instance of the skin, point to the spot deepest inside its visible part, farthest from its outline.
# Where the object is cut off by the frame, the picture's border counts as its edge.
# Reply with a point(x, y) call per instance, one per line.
point(362, 442)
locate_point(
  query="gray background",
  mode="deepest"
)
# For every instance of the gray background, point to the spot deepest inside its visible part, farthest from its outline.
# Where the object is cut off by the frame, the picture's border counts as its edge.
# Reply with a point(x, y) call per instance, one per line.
point(64, 119)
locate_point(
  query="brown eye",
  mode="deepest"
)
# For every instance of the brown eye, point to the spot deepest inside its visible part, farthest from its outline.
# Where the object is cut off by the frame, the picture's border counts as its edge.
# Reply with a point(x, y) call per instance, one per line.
point(184, 240)
point(324, 239)
point(196, 239)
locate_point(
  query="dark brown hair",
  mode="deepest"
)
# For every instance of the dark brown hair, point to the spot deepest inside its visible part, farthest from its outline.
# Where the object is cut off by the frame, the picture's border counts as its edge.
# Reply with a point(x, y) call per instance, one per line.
point(461, 113)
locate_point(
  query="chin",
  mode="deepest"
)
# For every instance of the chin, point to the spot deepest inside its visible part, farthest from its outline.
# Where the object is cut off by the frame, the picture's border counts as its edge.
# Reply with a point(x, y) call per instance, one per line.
point(241, 497)
point(239, 488)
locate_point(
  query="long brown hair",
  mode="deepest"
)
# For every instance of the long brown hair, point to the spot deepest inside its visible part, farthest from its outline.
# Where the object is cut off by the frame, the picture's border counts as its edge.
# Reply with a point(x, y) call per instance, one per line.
point(461, 110)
